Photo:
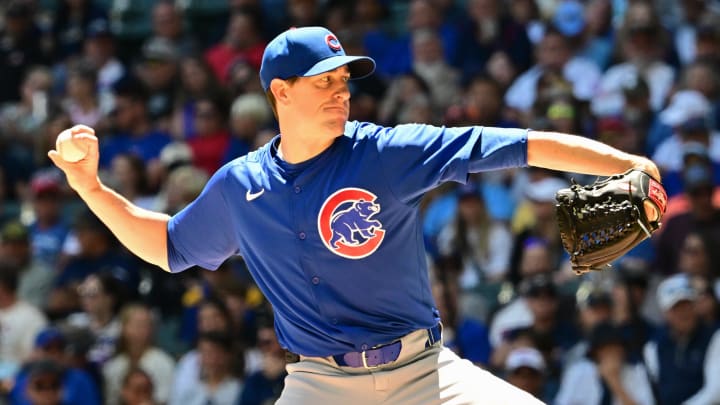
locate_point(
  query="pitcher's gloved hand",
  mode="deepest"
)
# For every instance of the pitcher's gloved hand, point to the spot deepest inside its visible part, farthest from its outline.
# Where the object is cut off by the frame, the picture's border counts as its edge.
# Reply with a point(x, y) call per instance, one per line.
point(603, 221)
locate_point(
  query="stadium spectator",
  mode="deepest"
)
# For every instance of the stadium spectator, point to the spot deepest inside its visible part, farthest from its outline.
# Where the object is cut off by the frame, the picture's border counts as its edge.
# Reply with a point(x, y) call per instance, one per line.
point(554, 56)
point(21, 122)
point(642, 44)
point(20, 322)
point(136, 348)
point(212, 315)
point(100, 52)
point(158, 70)
point(634, 309)
point(249, 113)
point(594, 306)
point(81, 102)
point(477, 239)
point(525, 369)
point(487, 29)
point(48, 230)
point(101, 296)
point(22, 47)
point(35, 278)
point(131, 179)
point(243, 39)
point(71, 23)
point(168, 22)
point(97, 252)
point(216, 382)
point(211, 137)
point(137, 388)
point(266, 384)
point(688, 115)
point(196, 81)
point(73, 385)
point(682, 358)
point(605, 375)
point(701, 216)
point(134, 132)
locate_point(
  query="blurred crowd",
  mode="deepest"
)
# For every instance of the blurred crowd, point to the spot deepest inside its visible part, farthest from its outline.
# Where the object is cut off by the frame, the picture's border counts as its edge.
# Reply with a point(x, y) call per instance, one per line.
point(172, 90)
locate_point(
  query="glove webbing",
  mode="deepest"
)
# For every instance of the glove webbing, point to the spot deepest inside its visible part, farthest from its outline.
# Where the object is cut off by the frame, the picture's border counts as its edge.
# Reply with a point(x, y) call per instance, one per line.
point(594, 239)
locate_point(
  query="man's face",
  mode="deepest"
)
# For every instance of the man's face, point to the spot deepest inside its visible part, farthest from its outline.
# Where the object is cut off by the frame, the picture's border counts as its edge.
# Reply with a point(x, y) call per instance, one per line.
point(681, 317)
point(15, 252)
point(138, 389)
point(45, 389)
point(166, 22)
point(125, 113)
point(323, 101)
point(527, 379)
point(553, 52)
point(543, 303)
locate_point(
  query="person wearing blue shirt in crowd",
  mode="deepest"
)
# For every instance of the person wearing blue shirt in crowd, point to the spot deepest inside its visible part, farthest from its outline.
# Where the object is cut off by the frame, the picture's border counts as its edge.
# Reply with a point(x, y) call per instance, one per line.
point(325, 216)
point(134, 132)
point(73, 385)
point(682, 356)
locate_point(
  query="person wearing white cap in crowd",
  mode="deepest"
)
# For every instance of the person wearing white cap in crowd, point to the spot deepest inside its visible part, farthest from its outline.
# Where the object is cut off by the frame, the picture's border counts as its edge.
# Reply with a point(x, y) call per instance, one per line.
point(687, 114)
point(683, 358)
point(700, 214)
point(638, 39)
point(525, 369)
point(554, 55)
point(605, 375)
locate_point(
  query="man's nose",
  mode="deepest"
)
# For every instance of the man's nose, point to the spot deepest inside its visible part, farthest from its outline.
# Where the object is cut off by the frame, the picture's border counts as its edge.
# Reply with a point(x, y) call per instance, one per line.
point(343, 92)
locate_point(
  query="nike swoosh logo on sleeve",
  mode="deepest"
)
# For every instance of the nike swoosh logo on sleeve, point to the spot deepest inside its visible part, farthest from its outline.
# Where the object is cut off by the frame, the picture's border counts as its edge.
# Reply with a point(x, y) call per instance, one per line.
point(251, 196)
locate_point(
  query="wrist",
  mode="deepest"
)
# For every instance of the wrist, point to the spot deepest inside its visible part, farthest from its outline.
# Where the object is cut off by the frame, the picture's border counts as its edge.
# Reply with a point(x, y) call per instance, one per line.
point(87, 189)
point(646, 165)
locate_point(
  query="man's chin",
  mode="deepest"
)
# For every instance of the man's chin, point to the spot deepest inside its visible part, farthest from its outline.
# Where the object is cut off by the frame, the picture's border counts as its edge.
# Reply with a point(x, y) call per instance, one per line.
point(337, 126)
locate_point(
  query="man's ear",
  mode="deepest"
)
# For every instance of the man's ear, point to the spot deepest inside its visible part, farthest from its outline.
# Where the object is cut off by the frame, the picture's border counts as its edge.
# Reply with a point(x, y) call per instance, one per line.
point(279, 89)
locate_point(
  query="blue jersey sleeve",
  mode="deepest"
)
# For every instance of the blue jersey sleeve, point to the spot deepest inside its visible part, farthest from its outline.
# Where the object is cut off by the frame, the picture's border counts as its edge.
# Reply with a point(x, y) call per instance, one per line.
point(416, 158)
point(202, 234)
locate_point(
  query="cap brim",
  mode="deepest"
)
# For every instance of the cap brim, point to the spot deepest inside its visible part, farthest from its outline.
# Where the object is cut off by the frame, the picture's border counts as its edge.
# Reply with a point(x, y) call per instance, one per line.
point(670, 303)
point(360, 66)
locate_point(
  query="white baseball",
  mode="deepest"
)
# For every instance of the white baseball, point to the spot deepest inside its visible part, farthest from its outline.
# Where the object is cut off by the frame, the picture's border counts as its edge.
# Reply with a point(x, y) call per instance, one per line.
point(66, 146)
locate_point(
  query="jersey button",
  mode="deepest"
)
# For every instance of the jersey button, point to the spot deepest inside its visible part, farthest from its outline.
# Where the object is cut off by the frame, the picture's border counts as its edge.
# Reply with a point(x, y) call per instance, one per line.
point(302, 235)
point(298, 189)
point(316, 280)
point(334, 321)
point(364, 347)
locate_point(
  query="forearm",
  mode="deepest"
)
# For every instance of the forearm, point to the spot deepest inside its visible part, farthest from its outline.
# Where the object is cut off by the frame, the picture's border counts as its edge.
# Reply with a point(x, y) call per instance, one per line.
point(143, 232)
point(576, 154)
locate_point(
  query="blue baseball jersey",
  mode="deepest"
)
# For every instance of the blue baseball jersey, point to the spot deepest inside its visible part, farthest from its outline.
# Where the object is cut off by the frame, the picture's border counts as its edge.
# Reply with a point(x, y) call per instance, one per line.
point(335, 243)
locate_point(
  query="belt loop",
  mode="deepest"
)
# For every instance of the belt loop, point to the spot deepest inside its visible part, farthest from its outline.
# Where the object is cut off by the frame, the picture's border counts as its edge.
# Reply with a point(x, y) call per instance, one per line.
point(431, 335)
point(431, 338)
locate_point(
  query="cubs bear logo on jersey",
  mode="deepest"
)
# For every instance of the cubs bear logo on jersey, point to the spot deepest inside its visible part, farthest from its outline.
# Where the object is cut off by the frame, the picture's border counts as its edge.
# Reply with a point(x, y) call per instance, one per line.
point(347, 223)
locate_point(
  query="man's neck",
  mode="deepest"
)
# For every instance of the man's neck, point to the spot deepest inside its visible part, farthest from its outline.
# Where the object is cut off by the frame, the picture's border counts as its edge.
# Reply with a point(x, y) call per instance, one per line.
point(140, 129)
point(294, 150)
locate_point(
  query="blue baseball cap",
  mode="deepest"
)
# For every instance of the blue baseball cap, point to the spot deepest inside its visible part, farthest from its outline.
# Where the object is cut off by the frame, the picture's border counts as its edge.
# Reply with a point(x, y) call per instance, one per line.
point(569, 18)
point(308, 51)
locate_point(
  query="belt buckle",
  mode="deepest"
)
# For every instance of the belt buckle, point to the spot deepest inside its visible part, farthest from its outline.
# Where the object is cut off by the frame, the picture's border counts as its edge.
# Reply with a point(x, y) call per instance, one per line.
point(363, 356)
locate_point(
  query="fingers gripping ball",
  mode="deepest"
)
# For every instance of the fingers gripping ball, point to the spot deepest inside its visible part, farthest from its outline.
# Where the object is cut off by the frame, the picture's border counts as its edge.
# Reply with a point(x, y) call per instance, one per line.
point(600, 222)
point(69, 148)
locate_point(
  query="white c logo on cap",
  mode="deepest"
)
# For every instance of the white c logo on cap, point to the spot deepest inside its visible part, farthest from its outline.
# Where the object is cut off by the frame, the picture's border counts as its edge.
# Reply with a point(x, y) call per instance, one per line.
point(332, 41)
